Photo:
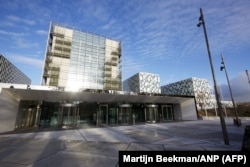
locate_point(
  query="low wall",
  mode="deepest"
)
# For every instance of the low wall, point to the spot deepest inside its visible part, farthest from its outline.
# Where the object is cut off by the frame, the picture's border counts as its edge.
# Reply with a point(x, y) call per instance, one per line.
point(226, 118)
point(8, 112)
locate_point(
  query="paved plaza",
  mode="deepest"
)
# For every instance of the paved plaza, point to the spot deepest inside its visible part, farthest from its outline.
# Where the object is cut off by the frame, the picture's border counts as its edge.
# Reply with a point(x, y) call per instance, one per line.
point(100, 146)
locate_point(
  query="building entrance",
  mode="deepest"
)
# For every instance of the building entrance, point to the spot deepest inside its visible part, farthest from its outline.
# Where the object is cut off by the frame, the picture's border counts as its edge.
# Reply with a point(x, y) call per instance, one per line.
point(151, 113)
point(167, 113)
point(28, 114)
point(68, 116)
point(124, 115)
point(102, 115)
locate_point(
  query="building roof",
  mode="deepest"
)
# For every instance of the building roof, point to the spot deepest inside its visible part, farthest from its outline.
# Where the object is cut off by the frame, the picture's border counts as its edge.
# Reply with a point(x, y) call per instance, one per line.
point(53, 23)
point(14, 68)
point(183, 80)
point(45, 95)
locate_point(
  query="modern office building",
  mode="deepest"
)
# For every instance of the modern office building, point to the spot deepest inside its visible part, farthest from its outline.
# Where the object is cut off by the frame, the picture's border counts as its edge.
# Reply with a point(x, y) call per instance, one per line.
point(48, 107)
point(77, 60)
point(143, 82)
point(82, 87)
point(9, 73)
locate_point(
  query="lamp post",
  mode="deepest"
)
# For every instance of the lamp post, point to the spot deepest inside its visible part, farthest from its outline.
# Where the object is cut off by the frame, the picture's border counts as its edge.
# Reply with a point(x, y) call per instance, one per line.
point(248, 76)
point(237, 121)
point(222, 120)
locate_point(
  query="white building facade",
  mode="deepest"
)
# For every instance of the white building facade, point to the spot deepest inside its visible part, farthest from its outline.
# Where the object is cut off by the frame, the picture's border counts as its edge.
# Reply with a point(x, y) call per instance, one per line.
point(197, 87)
point(143, 82)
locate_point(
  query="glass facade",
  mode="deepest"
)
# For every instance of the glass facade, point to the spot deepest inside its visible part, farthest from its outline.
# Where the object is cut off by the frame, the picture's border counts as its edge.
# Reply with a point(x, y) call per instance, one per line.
point(77, 60)
point(11, 74)
point(84, 114)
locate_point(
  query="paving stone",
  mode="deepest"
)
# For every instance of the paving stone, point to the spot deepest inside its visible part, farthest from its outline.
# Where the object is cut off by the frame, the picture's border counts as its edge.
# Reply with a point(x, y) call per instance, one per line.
point(105, 135)
point(61, 135)
point(99, 148)
point(25, 152)
point(9, 164)
point(75, 159)
point(183, 148)
point(145, 147)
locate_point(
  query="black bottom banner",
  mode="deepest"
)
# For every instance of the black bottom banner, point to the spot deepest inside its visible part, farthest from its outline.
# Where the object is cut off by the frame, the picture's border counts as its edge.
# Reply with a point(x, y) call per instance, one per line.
point(184, 158)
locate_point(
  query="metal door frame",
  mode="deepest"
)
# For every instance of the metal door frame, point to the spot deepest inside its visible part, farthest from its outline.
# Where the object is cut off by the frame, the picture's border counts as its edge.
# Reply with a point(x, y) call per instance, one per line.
point(154, 112)
point(106, 114)
point(172, 115)
point(75, 114)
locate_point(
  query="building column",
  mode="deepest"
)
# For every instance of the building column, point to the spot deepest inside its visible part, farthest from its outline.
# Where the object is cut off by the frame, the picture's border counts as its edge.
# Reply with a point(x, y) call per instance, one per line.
point(37, 115)
point(117, 115)
point(28, 117)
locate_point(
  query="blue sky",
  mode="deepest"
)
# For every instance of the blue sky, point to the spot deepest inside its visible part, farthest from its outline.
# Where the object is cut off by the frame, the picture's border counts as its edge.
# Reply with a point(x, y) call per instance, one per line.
point(158, 36)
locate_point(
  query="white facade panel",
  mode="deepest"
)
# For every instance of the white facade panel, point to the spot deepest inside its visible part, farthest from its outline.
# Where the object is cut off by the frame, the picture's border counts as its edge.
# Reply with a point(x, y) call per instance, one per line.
point(143, 83)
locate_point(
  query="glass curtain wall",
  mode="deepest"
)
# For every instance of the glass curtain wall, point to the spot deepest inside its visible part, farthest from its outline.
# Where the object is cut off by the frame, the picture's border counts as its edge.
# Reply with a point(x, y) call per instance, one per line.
point(81, 114)
point(87, 61)
point(59, 115)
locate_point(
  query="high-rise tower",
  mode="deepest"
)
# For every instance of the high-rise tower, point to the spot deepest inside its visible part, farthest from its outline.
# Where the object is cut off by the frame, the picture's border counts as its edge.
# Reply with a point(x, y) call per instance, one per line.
point(77, 60)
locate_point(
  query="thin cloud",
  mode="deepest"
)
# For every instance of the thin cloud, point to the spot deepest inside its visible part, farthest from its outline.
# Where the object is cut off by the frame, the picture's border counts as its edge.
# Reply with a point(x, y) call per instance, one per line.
point(20, 40)
point(240, 88)
point(20, 20)
point(12, 34)
point(42, 32)
point(152, 19)
point(24, 43)
point(132, 66)
point(151, 32)
point(28, 61)
point(7, 23)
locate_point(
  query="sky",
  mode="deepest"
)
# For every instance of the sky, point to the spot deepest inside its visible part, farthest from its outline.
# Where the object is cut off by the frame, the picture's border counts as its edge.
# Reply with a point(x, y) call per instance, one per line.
point(158, 36)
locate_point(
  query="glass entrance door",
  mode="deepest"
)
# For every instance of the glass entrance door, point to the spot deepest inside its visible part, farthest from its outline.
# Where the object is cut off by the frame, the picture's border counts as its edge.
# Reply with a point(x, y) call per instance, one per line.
point(124, 115)
point(68, 116)
point(167, 113)
point(151, 113)
point(102, 115)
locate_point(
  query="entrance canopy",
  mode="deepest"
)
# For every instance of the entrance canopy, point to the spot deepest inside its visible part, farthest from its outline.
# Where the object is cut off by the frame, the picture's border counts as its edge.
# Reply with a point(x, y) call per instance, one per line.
point(48, 95)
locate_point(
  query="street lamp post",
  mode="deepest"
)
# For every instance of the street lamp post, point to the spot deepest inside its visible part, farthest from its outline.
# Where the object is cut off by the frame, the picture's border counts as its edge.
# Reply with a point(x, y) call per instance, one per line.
point(237, 121)
point(248, 77)
point(222, 120)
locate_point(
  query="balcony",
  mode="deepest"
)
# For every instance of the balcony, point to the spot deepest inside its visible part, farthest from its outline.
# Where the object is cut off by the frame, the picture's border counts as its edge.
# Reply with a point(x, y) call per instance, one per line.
point(108, 75)
point(57, 35)
point(48, 60)
point(59, 54)
point(107, 68)
point(62, 48)
point(114, 58)
point(45, 74)
point(54, 69)
point(62, 42)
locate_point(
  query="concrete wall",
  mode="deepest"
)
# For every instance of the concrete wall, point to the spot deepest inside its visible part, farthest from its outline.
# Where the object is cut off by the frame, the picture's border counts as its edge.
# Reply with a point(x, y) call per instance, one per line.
point(177, 112)
point(188, 110)
point(8, 112)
